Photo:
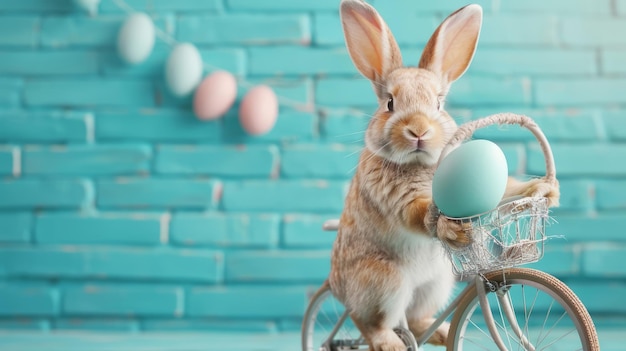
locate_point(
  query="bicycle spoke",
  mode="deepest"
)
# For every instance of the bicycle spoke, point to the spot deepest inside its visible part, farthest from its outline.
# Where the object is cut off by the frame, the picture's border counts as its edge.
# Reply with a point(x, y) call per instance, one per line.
point(543, 327)
point(559, 339)
point(504, 329)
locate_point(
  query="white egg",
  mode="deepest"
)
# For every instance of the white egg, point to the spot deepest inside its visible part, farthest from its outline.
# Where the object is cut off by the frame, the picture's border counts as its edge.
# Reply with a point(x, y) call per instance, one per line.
point(183, 70)
point(135, 39)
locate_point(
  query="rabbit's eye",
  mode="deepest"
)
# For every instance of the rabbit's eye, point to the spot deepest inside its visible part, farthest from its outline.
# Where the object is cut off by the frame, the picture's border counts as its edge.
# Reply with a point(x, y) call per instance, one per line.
point(390, 105)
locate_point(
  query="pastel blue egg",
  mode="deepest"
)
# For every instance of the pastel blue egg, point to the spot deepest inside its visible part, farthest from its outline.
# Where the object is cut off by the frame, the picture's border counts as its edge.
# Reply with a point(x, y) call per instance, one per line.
point(183, 69)
point(135, 39)
point(471, 179)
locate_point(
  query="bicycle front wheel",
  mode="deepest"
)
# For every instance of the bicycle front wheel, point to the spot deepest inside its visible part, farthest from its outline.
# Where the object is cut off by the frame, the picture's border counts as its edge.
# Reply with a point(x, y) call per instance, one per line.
point(531, 310)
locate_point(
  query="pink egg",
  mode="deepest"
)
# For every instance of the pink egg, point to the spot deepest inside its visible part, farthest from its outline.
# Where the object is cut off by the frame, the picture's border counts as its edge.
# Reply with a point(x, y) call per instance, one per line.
point(215, 95)
point(258, 110)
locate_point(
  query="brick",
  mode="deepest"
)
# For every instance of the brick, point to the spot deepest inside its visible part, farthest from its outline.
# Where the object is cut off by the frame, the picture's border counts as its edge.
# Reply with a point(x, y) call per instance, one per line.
point(44, 126)
point(99, 31)
point(576, 195)
point(30, 193)
point(232, 60)
point(28, 299)
point(248, 29)
point(37, 63)
point(164, 5)
point(482, 90)
point(577, 7)
point(34, 6)
point(514, 29)
point(113, 263)
point(122, 300)
point(295, 60)
point(157, 193)
point(559, 260)
point(614, 124)
point(291, 126)
point(580, 159)
point(345, 127)
point(87, 160)
point(307, 196)
point(225, 230)
point(277, 266)
point(611, 194)
point(15, 226)
point(247, 301)
point(408, 27)
point(24, 323)
point(219, 161)
point(156, 126)
point(9, 158)
point(89, 92)
point(600, 296)
point(97, 324)
point(345, 92)
point(612, 61)
point(604, 260)
point(576, 92)
point(319, 161)
point(588, 228)
point(592, 32)
point(305, 231)
point(100, 228)
point(557, 125)
point(212, 325)
point(282, 5)
point(10, 92)
point(19, 31)
point(328, 30)
point(526, 61)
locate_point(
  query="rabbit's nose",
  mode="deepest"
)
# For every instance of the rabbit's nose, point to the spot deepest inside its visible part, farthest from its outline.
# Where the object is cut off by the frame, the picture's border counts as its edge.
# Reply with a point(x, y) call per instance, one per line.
point(416, 136)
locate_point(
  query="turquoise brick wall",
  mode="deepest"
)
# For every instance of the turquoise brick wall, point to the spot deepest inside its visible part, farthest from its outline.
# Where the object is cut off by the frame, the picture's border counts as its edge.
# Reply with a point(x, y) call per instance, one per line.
point(119, 210)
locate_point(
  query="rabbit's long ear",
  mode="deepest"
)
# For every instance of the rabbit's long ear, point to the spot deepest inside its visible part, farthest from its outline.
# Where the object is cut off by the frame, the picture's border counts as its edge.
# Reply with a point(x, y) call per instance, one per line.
point(451, 48)
point(370, 43)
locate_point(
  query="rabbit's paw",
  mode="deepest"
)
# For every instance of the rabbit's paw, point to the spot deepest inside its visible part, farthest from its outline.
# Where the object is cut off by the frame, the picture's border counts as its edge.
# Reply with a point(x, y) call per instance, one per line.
point(544, 188)
point(453, 232)
point(438, 338)
point(387, 340)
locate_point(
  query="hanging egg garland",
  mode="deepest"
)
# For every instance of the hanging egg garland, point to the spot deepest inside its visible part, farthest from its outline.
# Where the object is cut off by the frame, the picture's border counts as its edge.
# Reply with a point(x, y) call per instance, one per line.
point(183, 69)
point(215, 95)
point(135, 39)
point(258, 110)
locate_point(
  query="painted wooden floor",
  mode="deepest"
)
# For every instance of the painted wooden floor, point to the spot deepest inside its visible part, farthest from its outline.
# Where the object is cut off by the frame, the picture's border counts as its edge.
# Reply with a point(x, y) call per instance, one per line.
point(610, 340)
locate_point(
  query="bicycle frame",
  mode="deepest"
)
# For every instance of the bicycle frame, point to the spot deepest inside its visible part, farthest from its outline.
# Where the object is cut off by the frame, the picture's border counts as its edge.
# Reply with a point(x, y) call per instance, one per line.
point(480, 284)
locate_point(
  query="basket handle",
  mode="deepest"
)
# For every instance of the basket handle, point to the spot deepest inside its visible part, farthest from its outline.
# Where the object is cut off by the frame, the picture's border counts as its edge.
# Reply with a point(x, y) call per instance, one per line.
point(466, 130)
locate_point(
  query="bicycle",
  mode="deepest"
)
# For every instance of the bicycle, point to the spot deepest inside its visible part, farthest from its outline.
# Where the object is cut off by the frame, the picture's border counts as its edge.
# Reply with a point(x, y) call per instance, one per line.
point(486, 314)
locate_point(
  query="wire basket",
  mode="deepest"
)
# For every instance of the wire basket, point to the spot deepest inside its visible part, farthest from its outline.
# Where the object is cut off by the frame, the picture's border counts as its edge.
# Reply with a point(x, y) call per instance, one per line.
point(510, 235)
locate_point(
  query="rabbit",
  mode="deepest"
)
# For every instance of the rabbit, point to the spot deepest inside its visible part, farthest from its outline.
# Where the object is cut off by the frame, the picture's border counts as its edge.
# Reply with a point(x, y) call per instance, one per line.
point(386, 264)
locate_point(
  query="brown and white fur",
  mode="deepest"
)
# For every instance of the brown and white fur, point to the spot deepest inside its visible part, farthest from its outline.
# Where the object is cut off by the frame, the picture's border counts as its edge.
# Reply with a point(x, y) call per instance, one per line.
point(385, 263)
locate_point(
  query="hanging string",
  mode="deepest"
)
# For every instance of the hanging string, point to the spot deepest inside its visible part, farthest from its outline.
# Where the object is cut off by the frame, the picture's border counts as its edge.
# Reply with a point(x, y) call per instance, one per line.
point(282, 100)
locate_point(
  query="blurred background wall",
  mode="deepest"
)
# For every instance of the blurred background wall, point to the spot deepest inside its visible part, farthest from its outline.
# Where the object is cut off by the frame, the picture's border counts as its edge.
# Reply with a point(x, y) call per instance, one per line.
point(120, 210)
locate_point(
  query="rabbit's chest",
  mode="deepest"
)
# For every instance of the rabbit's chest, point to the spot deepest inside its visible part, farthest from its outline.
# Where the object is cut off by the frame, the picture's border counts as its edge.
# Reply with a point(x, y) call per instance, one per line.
point(420, 258)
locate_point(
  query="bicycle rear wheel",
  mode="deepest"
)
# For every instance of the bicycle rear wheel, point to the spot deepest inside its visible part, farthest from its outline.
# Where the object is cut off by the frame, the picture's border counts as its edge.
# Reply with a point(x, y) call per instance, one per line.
point(546, 315)
point(326, 325)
